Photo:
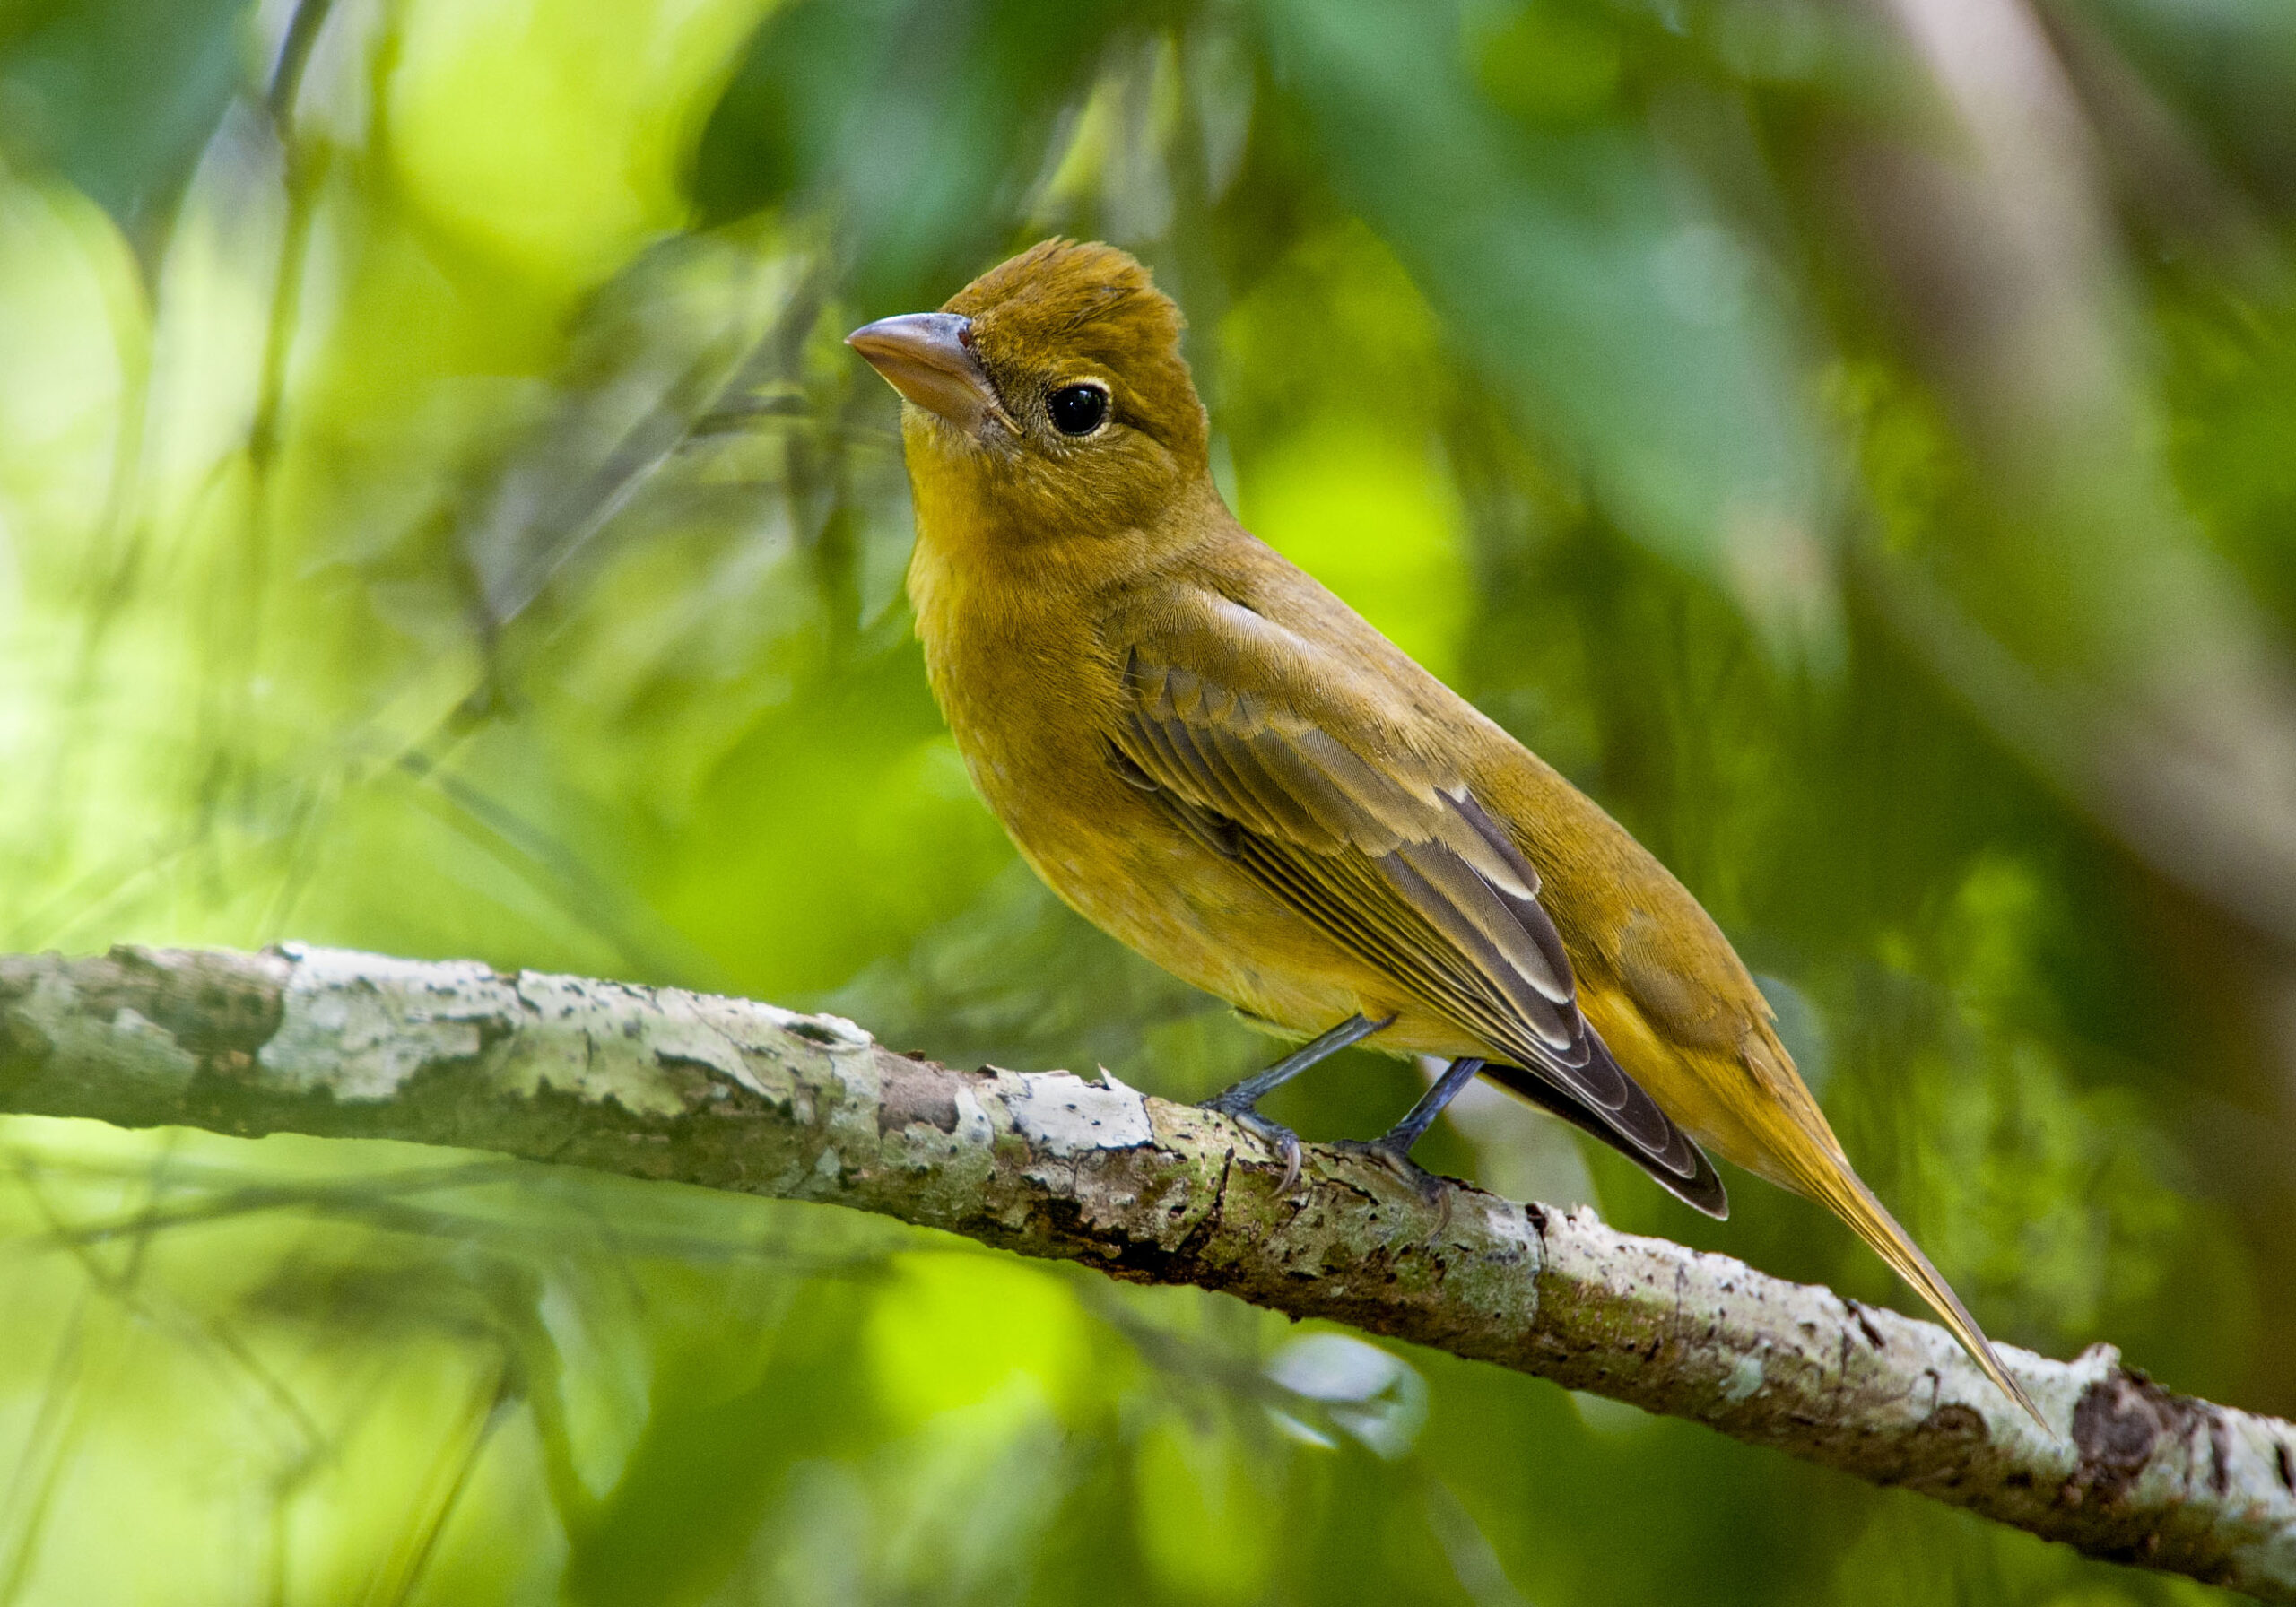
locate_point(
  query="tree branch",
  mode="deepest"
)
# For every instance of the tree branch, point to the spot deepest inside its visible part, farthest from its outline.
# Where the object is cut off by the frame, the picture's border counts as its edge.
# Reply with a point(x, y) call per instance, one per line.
point(657, 1083)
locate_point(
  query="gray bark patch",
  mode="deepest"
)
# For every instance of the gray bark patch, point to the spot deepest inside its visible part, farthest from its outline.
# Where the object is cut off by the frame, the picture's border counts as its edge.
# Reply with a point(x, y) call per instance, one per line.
point(1062, 1114)
point(904, 1099)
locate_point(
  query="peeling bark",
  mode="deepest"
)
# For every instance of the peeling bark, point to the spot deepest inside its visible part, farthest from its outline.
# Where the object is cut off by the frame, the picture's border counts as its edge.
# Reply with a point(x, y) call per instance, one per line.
point(658, 1082)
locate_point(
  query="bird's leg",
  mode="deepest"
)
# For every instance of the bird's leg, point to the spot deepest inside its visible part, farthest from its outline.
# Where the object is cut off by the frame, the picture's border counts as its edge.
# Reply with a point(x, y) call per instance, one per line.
point(1394, 1145)
point(1242, 1101)
point(1399, 1138)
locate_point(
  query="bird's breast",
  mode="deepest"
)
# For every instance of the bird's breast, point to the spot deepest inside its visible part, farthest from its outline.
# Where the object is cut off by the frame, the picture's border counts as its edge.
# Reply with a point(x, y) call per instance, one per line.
point(1034, 704)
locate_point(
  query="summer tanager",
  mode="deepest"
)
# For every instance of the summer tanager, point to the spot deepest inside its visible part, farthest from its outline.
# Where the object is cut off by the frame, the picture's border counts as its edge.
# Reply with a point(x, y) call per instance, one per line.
point(1215, 759)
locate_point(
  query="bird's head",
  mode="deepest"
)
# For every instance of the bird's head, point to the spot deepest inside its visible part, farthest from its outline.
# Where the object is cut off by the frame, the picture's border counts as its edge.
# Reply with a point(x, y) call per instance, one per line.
point(1050, 391)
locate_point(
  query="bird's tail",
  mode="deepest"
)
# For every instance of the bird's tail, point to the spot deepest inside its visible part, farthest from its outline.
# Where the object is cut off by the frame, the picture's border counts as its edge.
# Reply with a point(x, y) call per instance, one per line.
point(1847, 1195)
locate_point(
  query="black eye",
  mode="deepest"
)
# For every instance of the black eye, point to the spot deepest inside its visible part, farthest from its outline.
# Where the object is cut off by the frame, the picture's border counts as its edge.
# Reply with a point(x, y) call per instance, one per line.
point(1078, 408)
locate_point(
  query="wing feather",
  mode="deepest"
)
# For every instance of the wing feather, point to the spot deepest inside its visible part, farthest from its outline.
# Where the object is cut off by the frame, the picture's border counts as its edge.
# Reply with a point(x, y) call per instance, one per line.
point(1406, 871)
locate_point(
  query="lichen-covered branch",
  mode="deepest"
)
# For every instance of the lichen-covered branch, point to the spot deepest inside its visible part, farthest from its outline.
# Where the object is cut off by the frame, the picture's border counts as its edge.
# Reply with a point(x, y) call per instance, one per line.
point(656, 1083)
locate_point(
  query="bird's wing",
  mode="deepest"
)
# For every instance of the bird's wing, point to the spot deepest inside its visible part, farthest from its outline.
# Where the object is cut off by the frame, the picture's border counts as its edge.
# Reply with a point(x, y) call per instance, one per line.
point(1400, 865)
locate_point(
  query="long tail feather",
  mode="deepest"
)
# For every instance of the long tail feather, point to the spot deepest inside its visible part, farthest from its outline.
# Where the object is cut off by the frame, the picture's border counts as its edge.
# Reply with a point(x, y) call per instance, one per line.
point(1855, 1203)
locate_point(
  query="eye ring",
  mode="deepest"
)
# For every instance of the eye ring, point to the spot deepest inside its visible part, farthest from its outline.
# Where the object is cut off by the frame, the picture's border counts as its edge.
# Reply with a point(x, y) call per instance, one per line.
point(1078, 410)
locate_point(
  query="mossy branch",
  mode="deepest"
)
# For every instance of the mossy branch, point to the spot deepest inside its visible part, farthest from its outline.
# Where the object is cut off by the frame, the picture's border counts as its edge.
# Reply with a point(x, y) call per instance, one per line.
point(724, 1093)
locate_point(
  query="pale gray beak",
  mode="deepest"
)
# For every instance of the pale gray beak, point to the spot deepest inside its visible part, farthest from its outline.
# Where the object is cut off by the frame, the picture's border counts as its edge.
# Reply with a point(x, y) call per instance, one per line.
point(928, 357)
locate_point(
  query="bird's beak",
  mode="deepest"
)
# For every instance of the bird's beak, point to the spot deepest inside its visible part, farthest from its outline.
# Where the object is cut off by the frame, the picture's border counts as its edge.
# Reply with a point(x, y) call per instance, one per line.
point(928, 357)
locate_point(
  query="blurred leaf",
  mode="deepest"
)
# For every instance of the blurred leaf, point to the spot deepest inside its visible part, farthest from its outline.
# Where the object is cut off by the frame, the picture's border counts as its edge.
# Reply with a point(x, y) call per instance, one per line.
point(1205, 1512)
point(1587, 279)
point(119, 95)
point(912, 123)
point(956, 1329)
point(2229, 62)
point(1365, 1392)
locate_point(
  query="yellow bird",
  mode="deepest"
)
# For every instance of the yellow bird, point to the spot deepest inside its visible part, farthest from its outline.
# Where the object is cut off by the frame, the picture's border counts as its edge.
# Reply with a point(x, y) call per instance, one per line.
point(1212, 757)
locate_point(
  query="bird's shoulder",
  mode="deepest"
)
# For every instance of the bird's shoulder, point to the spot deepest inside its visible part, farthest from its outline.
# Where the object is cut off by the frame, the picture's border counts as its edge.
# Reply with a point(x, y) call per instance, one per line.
point(1250, 692)
point(1275, 645)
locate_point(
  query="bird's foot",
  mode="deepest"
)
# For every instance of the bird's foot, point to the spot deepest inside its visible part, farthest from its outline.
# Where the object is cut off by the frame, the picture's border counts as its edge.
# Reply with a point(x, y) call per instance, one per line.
point(1242, 1101)
point(1393, 1148)
point(1274, 1135)
point(1396, 1159)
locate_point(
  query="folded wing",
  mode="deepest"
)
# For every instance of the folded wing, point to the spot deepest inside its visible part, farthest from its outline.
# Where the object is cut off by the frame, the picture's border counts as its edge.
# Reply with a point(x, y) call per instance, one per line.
point(1403, 868)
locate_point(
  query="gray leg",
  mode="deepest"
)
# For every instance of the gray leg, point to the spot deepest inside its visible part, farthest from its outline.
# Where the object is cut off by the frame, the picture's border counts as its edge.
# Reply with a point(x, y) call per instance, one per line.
point(1242, 1101)
point(1393, 1146)
point(1400, 1138)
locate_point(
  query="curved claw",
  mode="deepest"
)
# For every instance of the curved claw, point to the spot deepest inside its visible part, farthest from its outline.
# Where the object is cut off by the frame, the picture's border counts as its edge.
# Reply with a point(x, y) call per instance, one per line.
point(1275, 1135)
point(1242, 1101)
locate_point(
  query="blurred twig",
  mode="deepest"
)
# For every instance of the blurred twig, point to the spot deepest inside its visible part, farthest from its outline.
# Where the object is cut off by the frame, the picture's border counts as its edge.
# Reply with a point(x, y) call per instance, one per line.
point(2089, 625)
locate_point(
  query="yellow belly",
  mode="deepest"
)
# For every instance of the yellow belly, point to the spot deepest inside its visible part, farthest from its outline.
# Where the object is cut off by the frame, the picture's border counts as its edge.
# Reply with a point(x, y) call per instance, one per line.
point(1128, 869)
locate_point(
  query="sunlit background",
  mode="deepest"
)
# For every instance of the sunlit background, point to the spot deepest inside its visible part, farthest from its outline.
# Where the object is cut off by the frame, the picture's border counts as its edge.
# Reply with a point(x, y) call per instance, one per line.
point(1853, 439)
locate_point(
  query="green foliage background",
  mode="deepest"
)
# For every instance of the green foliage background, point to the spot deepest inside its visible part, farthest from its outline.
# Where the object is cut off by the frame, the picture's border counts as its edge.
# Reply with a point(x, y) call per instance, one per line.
point(1856, 443)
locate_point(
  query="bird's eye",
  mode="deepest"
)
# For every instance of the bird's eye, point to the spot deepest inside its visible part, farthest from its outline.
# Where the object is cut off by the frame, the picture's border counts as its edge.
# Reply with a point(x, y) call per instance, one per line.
point(1078, 408)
